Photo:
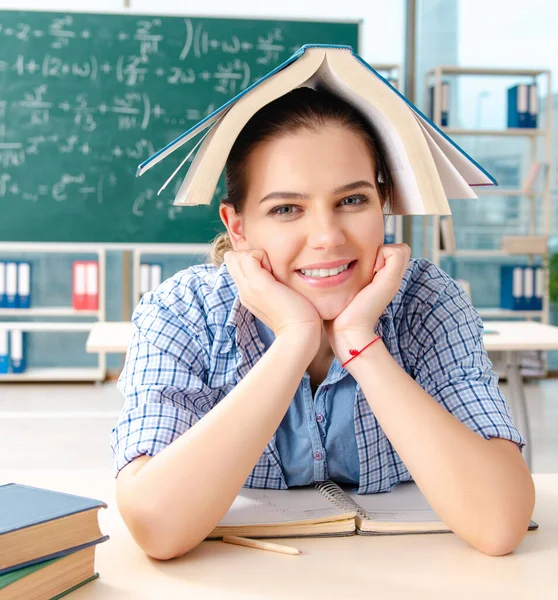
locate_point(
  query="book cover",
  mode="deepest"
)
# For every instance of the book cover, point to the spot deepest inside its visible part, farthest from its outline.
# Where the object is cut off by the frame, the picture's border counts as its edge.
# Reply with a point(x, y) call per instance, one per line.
point(412, 139)
point(23, 285)
point(11, 285)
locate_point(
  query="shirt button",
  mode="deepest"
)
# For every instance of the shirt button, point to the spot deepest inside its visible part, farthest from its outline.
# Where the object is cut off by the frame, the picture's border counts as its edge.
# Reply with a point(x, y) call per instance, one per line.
point(319, 418)
point(317, 455)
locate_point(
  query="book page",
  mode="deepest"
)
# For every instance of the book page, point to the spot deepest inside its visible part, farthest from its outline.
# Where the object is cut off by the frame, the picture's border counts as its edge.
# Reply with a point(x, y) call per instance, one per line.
point(261, 506)
point(404, 504)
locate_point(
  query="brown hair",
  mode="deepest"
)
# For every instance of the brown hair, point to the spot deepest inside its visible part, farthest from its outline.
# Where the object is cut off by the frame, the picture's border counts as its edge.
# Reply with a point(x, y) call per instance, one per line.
point(300, 109)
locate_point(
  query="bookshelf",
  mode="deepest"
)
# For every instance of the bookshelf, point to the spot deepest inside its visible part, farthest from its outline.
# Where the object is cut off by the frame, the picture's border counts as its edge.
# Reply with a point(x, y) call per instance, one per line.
point(392, 72)
point(68, 319)
point(537, 137)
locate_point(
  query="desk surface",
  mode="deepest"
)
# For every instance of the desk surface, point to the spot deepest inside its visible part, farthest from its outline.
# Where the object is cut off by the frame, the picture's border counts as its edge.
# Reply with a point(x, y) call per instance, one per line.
point(411, 566)
point(115, 336)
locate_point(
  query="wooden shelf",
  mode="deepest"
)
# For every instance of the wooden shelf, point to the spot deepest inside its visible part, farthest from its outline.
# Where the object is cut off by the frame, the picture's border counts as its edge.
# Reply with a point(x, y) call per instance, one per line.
point(46, 326)
point(496, 313)
point(512, 131)
point(455, 70)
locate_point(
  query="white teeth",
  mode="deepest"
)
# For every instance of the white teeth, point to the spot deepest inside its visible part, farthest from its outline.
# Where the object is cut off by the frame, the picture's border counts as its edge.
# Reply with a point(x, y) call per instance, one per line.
point(319, 273)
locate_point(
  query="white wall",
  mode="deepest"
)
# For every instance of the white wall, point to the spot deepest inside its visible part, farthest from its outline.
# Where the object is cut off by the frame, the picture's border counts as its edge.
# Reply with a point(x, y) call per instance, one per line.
point(382, 31)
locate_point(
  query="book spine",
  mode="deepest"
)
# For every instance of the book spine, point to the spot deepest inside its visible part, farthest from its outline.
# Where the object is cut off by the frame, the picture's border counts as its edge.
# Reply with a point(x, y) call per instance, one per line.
point(528, 288)
point(533, 105)
point(145, 279)
point(156, 275)
point(23, 285)
point(78, 285)
point(389, 229)
point(445, 103)
point(539, 288)
point(3, 300)
point(4, 351)
point(11, 285)
point(92, 285)
point(17, 358)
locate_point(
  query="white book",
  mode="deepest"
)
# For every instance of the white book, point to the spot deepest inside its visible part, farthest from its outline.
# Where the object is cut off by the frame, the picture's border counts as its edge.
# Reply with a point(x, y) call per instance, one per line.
point(16, 345)
point(23, 279)
point(91, 279)
point(528, 282)
point(156, 275)
point(11, 281)
point(522, 98)
point(533, 99)
point(539, 282)
point(145, 278)
point(80, 279)
point(517, 288)
point(2, 279)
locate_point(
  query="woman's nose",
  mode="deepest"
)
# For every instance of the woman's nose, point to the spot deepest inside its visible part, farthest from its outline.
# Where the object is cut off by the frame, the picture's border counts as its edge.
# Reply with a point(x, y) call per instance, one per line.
point(326, 233)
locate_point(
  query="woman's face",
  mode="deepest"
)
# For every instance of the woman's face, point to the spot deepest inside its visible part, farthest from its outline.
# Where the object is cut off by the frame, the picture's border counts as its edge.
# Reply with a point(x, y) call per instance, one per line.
point(313, 206)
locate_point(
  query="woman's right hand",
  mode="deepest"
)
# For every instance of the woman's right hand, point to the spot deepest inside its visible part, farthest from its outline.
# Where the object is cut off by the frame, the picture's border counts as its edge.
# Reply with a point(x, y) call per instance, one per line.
point(282, 309)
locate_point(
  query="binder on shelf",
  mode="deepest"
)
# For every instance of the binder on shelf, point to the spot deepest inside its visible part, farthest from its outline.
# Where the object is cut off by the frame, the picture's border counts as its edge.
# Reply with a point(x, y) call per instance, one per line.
point(78, 285)
point(528, 288)
point(511, 287)
point(445, 103)
point(11, 285)
point(92, 285)
point(518, 106)
point(4, 351)
point(533, 105)
point(17, 357)
point(389, 229)
point(447, 235)
point(539, 288)
point(3, 300)
point(23, 285)
point(151, 275)
point(156, 275)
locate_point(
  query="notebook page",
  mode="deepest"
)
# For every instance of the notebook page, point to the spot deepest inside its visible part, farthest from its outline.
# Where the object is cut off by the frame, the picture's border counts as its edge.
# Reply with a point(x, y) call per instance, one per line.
point(404, 504)
point(260, 506)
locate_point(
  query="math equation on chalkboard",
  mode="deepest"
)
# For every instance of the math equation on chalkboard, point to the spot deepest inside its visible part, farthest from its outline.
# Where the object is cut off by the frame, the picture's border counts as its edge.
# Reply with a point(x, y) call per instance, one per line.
point(86, 97)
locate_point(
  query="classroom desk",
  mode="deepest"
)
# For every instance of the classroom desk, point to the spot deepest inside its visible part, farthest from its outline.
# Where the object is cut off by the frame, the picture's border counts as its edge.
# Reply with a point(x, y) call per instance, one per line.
point(412, 566)
point(511, 337)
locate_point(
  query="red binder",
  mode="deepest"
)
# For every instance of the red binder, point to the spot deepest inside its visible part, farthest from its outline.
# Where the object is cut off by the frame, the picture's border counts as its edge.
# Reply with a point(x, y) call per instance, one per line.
point(78, 285)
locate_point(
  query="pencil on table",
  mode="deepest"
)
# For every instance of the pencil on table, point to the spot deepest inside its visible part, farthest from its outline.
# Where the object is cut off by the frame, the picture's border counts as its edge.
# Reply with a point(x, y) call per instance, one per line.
point(260, 545)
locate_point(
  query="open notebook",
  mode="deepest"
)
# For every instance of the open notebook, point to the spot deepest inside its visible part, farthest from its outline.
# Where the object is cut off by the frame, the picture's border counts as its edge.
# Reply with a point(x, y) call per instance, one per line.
point(326, 509)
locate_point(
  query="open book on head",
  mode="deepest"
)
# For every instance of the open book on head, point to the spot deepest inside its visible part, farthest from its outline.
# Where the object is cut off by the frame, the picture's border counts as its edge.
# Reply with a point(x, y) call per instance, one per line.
point(326, 509)
point(427, 167)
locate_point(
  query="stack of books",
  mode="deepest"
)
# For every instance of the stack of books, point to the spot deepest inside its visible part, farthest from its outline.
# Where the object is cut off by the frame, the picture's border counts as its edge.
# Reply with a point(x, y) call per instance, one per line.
point(47, 542)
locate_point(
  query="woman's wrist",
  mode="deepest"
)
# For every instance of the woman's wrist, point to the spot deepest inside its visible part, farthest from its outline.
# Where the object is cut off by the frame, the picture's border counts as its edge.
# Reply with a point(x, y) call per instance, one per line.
point(304, 343)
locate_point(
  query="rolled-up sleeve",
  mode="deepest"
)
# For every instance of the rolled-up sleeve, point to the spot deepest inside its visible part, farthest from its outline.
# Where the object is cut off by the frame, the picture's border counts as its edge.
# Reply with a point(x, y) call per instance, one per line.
point(162, 383)
point(453, 367)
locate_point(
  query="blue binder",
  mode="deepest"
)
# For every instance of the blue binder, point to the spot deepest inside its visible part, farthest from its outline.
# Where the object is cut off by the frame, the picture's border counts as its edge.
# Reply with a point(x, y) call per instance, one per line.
point(3, 299)
point(4, 350)
point(11, 285)
point(23, 299)
point(445, 103)
point(518, 106)
point(533, 105)
point(511, 287)
point(17, 351)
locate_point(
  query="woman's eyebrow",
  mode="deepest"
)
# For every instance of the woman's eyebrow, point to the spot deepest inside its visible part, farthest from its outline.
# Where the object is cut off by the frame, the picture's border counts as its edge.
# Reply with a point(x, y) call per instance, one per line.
point(296, 196)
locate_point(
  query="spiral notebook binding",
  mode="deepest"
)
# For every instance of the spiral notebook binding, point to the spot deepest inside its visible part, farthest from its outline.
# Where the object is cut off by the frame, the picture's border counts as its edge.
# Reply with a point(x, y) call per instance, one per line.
point(336, 495)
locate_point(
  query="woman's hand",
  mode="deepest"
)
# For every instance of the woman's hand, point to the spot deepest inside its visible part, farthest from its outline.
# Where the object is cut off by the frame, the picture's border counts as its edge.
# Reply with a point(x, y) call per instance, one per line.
point(354, 327)
point(278, 306)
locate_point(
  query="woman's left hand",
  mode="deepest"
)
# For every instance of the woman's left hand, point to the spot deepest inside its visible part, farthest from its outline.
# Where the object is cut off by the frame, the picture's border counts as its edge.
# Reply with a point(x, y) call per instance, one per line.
point(356, 324)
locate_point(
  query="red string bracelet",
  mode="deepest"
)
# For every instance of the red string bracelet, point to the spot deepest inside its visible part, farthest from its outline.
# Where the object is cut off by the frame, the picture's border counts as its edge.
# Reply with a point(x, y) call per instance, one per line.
point(355, 353)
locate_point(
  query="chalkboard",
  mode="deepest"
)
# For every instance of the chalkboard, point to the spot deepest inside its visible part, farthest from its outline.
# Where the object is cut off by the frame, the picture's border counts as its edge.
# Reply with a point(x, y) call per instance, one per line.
point(85, 97)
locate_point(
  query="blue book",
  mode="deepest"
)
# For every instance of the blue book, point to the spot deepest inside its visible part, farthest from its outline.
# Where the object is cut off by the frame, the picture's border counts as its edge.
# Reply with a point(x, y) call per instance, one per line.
point(4, 350)
point(518, 106)
point(533, 105)
point(73, 525)
point(389, 230)
point(3, 299)
point(427, 166)
point(23, 298)
point(511, 287)
point(11, 285)
point(17, 354)
point(445, 103)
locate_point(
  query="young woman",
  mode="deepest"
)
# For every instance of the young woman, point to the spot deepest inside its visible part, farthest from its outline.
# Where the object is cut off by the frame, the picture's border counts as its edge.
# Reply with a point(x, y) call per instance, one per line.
point(235, 374)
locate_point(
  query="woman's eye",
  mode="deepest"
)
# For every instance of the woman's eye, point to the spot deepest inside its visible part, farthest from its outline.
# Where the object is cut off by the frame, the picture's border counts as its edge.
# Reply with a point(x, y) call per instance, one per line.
point(354, 200)
point(284, 209)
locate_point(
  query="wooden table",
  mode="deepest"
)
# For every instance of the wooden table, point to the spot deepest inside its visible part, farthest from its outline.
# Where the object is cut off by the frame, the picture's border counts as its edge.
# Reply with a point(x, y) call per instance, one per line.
point(427, 566)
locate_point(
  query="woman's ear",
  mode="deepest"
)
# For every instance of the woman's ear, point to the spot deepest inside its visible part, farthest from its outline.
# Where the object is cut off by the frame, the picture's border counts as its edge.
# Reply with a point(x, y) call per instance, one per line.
point(233, 223)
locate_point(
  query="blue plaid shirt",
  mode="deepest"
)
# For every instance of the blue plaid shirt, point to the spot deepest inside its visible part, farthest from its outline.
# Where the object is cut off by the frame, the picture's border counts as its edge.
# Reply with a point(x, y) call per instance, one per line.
point(194, 341)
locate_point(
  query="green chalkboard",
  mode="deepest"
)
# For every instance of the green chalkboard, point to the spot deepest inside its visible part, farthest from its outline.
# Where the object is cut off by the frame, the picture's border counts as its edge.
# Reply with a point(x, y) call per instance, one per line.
point(86, 97)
